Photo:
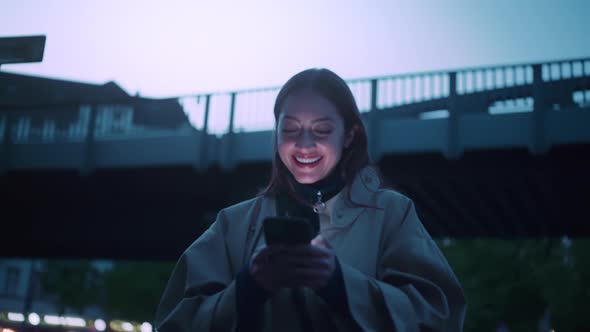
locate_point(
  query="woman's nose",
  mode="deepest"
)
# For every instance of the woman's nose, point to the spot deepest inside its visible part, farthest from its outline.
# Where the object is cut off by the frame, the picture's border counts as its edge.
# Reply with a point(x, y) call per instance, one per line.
point(305, 140)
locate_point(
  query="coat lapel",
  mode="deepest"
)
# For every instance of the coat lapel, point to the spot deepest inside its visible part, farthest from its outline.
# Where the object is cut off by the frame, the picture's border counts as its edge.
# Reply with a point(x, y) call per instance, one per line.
point(363, 189)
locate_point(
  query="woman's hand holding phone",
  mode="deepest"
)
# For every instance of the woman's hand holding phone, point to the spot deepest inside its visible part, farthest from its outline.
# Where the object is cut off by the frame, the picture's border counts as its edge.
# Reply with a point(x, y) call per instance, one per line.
point(302, 265)
point(269, 269)
point(313, 264)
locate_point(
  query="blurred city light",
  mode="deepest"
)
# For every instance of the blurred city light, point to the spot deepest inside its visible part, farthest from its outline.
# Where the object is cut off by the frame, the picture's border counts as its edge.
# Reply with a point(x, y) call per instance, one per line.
point(75, 322)
point(34, 319)
point(66, 321)
point(127, 326)
point(146, 327)
point(100, 325)
point(51, 320)
point(123, 326)
point(17, 317)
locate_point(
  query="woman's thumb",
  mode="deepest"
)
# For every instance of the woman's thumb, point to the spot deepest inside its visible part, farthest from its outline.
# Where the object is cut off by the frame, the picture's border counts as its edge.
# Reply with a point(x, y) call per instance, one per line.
point(320, 242)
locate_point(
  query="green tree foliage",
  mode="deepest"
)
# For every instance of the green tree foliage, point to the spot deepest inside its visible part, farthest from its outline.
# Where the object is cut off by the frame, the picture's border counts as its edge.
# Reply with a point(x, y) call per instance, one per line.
point(516, 281)
point(132, 289)
point(511, 281)
point(74, 284)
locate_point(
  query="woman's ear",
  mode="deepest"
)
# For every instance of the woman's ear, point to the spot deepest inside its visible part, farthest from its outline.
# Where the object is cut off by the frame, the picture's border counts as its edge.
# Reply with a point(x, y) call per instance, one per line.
point(349, 138)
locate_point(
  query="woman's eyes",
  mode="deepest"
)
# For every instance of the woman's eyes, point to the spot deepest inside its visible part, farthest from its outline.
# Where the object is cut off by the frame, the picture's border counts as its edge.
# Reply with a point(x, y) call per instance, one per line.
point(290, 130)
point(323, 131)
point(315, 131)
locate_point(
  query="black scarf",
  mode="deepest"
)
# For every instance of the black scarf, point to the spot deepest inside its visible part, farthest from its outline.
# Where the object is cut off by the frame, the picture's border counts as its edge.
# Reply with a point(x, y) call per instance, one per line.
point(328, 187)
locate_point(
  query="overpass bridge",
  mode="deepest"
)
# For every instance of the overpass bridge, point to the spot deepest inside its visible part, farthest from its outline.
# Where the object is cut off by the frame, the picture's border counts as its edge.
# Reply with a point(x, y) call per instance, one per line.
point(490, 151)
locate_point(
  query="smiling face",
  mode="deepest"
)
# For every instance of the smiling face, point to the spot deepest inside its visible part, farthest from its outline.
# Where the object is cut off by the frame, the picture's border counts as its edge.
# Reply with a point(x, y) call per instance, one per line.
point(310, 136)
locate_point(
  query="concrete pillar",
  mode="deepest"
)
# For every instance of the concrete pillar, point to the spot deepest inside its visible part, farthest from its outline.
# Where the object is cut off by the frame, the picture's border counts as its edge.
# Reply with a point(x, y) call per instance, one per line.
point(227, 141)
point(538, 144)
point(6, 146)
point(453, 149)
point(202, 155)
point(373, 131)
point(88, 159)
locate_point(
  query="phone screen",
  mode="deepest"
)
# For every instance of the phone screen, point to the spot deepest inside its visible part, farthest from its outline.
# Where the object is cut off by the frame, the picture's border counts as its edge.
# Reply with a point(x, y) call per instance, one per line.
point(288, 230)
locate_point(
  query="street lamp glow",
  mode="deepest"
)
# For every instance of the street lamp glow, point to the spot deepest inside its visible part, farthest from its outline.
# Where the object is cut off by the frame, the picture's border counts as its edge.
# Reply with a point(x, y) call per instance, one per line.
point(146, 327)
point(127, 326)
point(100, 325)
point(51, 320)
point(34, 319)
point(75, 321)
point(16, 317)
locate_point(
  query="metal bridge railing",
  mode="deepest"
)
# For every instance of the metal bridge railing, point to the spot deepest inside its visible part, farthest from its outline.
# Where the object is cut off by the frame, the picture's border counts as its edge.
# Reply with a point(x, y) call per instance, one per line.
point(251, 110)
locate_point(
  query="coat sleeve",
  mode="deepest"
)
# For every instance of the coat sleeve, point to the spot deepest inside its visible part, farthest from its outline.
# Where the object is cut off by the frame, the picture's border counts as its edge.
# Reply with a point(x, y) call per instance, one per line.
point(414, 289)
point(200, 295)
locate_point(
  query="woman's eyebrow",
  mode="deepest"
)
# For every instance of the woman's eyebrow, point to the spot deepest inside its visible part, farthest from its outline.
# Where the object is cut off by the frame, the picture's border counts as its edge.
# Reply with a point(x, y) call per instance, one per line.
point(326, 118)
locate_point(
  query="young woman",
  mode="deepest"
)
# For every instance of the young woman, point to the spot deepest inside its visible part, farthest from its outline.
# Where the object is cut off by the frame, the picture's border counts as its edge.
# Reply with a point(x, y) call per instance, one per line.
point(373, 266)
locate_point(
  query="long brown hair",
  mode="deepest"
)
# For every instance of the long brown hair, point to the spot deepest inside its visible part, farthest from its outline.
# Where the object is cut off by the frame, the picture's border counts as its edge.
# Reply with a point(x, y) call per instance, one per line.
point(327, 84)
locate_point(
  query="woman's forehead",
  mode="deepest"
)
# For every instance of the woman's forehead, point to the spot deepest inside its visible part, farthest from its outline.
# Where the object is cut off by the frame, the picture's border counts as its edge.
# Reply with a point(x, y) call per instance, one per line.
point(309, 107)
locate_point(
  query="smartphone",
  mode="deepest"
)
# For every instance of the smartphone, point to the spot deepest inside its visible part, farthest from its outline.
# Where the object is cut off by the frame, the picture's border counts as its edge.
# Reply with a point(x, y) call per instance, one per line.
point(288, 230)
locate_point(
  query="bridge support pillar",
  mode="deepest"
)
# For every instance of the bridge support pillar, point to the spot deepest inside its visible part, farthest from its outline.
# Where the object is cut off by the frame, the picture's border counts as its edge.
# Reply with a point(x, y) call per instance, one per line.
point(6, 146)
point(226, 147)
point(202, 154)
point(373, 132)
point(227, 159)
point(538, 143)
point(453, 149)
point(87, 165)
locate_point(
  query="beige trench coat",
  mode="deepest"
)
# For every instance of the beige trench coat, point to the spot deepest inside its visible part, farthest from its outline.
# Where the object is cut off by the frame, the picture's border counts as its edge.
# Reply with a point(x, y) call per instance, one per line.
point(395, 276)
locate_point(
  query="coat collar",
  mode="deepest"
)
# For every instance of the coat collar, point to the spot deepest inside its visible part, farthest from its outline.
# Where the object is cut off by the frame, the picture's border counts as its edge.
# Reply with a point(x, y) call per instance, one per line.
point(364, 186)
point(362, 191)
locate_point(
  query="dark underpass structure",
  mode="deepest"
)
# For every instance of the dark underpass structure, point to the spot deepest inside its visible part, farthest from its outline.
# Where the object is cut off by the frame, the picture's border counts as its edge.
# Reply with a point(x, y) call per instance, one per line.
point(496, 151)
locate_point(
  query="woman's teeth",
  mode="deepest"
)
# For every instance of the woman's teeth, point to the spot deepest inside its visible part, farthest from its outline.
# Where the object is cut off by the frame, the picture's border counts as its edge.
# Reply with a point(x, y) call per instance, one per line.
point(307, 160)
